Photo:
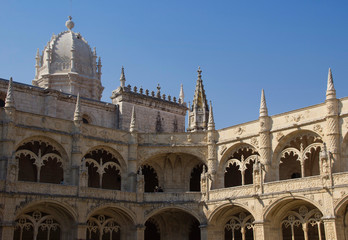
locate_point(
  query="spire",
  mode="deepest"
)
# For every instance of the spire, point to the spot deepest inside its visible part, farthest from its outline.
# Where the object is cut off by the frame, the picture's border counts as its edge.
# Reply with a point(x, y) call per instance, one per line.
point(122, 78)
point(133, 127)
point(211, 123)
point(77, 113)
point(263, 106)
point(330, 91)
point(9, 102)
point(181, 95)
point(199, 99)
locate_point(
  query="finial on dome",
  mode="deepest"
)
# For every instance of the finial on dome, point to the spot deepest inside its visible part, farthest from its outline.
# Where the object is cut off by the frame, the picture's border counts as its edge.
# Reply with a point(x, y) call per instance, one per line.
point(69, 24)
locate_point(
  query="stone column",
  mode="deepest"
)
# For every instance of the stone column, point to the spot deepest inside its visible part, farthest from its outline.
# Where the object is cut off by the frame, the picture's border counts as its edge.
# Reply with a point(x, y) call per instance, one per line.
point(204, 231)
point(332, 130)
point(330, 228)
point(140, 232)
point(7, 231)
point(259, 233)
point(81, 231)
point(265, 150)
point(212, 157)
point(132, 161)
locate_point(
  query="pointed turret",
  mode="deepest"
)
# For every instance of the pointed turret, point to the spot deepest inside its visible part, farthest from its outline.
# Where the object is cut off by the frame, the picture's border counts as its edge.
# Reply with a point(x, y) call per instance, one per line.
point(199, 111)
point(133, 127)
point(263, 105)
point(9, 102)
point(330, 91)
point(99, 66)
point(77, 113)
point(199, 99)
point(181, 95)
point(211, 123)
point(122, 78)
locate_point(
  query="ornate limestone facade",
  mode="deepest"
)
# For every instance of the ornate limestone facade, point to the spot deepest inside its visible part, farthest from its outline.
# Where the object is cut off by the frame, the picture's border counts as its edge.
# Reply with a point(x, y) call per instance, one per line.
point(73, 167)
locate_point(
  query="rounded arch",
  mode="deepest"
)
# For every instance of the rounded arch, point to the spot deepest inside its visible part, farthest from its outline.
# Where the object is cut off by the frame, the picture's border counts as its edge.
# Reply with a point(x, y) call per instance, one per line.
point(64, 207)
point(111, 150)
point(124, 210)
point(286, 140)
point(236, 166)
point(164, 223)
point(291, 217)
point(341, 213)
point(219, 210)
point(39, 218)
point(173, 169)
point(274, 206)
point(57, 146)
point(145, 155)
point(187, 210)
point(41, 159)
point(232, 220)
point(231, 150)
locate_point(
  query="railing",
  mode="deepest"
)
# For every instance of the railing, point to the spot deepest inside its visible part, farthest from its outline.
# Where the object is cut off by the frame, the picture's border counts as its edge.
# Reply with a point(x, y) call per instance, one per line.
point(172, 197)
point(306, 184)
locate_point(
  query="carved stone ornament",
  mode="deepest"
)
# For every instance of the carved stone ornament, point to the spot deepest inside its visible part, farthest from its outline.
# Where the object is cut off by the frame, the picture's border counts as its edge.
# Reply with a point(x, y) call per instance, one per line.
point(223, 149)
point(255, 142)
point(240, 130)
point(279, 136)
point(318, 128)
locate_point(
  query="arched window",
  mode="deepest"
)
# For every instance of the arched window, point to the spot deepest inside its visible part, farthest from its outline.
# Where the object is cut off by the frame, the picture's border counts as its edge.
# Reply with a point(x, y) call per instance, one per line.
point(150, 177)
point(303, 223)
point(103, 227)
point(240, 226)
point(152, 231)
point(86, 119)
point(39, 162)
point(37, 225)
point(104, 170)
point(2, 99)
point(300, 157)
point(195, 180)
point(239, 167)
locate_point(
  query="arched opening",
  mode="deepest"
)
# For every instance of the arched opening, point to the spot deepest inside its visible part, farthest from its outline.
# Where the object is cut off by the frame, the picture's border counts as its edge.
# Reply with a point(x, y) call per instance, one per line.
point(104, 170)
point(172, 172)
point(303, 223)
point(39, 161)
point(37, 225)
point(150, 177)
point(240, 226)
point(300, 157)
point(103, 227)
point(295, 219)
point(233, 222)
point(172, 224)
point(239, 167)
point(86, 119)
point(152, 230)
point(110, 223)
point(2, 99)
point(195, 180)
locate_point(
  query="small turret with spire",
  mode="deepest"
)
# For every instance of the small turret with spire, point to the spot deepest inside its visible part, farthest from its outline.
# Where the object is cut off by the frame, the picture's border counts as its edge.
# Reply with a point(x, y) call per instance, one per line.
point(263, 106)
point(9, 101)
point(199, 111)
point(77, 113)
point(122, 79)
point(211, 123)
point(181, 95)
point(330, 91)
point(133, 123)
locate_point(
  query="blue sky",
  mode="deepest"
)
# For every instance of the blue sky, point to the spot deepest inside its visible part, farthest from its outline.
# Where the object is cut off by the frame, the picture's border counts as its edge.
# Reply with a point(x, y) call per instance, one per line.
point(285, 47)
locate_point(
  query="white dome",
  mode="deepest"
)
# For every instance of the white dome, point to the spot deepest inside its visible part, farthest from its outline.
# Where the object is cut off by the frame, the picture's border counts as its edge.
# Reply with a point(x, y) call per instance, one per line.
point(68, 64)
point(62, 47)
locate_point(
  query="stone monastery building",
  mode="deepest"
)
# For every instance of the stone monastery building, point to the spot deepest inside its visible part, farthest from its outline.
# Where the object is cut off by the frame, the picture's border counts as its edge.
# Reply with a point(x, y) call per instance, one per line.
point(74, 167)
